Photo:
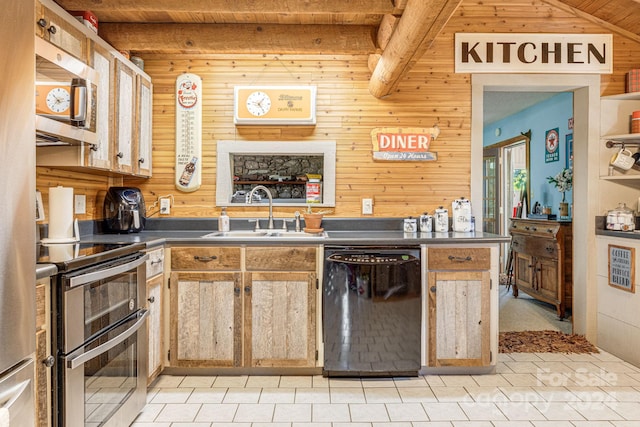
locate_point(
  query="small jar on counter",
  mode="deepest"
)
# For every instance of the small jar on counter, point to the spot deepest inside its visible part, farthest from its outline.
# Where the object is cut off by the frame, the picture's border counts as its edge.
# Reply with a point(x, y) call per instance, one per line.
point(621, 219)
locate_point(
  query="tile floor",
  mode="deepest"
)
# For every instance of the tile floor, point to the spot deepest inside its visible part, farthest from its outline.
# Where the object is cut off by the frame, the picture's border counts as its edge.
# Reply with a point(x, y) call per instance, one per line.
point(541, 390)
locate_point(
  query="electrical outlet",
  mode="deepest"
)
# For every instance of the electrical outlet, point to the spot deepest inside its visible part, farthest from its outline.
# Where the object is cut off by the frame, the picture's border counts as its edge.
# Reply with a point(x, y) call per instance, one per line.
point(165, 206)
point(367, 206)
point(80, 204)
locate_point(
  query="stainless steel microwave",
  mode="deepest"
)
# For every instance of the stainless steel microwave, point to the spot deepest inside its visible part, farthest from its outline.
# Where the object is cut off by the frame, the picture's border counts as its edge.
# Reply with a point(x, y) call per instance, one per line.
point(66, 97)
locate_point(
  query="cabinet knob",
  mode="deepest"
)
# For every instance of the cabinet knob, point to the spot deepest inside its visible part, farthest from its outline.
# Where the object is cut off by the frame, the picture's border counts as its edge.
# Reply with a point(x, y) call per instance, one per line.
point(534, 228)
point(526, 227)
point(516, 243)
point(52, 29)
point(93, 147)
point(156, 261)
point(247, 289)
point(433, 289)
point(120, 155)
point(151, 299)
point(42, 22)
point(49, 361)
point(141, 160)
point(236, 290)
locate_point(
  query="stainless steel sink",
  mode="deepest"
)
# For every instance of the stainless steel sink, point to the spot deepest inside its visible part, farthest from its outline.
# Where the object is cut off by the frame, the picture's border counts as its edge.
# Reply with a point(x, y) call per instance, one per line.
point(269, 234)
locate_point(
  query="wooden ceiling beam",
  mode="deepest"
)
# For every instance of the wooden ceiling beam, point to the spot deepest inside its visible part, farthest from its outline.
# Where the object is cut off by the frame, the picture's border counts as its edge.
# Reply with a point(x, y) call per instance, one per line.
point(419, 25)
point(236, 6)
point(240, 39)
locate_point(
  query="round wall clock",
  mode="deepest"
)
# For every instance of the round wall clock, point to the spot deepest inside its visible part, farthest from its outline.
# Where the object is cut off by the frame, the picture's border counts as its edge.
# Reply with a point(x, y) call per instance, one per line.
point(258, 103)
point(58, 100)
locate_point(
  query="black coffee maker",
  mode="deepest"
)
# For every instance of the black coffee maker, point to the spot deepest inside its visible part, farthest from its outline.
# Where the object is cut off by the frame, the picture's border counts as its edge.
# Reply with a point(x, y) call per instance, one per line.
point(124, 210)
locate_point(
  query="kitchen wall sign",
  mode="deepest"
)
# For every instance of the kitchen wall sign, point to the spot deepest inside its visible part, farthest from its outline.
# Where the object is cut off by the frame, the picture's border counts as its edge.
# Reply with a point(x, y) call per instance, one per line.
point(533, 53)
point(188, 132)
point(275, 105)
point(551, 144)
point(404, 144)
point(622, 268)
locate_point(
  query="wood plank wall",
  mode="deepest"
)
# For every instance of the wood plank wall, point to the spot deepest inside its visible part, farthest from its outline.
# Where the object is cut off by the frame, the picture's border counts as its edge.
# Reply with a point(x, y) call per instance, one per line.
point(432, 94)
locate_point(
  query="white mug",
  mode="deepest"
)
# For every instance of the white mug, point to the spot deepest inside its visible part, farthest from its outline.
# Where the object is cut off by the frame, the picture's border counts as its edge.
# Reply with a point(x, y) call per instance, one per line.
point(623, 159)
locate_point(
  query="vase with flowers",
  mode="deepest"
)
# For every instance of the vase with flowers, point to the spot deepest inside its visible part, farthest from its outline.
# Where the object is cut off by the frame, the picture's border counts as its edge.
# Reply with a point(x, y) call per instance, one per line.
point(563, 182)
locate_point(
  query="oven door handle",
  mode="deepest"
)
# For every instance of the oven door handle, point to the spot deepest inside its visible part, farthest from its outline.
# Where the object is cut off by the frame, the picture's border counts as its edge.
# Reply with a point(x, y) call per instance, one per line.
point(106, 273)
point(102, 348)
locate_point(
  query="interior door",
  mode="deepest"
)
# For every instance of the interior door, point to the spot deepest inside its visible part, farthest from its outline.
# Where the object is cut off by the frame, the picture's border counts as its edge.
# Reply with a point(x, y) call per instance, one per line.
point(491, 190)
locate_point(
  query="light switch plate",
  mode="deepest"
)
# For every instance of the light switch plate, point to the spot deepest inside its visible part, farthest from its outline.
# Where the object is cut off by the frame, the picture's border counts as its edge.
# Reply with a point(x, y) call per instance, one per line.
point(367, 206)
point(165, 206)
point(80, 204)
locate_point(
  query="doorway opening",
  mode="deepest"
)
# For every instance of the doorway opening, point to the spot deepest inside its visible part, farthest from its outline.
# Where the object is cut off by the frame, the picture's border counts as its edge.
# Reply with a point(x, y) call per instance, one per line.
point(507, 175)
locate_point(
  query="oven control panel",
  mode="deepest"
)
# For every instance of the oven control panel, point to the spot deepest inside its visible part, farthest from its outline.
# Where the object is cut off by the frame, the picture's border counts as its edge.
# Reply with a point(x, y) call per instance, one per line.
point(371, 258)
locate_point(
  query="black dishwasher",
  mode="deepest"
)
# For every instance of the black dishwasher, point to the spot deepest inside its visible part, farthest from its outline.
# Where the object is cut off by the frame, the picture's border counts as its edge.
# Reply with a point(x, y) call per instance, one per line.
point(371, 311)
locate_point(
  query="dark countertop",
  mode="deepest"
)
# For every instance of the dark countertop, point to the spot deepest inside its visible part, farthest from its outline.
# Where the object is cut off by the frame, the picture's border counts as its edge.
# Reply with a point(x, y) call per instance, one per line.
point(343, 232)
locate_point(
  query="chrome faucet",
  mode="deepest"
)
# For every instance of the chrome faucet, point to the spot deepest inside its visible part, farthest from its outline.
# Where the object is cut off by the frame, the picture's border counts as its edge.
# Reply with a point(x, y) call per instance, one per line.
point(266, 190)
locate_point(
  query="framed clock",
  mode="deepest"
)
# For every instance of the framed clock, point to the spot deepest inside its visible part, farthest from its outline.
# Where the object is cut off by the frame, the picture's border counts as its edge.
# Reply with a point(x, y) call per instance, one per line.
point(53, 99)
point(275, 105)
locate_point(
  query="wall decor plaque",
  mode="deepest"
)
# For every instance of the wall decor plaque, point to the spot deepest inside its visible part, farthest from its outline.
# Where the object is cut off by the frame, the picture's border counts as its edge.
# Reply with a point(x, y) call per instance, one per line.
point(622, 272)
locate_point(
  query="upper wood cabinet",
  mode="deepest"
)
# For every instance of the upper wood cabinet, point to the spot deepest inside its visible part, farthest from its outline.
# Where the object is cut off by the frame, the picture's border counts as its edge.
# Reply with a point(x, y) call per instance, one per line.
point(61, 32)
point(124, 110)
point(123, 103)
point(144, 114)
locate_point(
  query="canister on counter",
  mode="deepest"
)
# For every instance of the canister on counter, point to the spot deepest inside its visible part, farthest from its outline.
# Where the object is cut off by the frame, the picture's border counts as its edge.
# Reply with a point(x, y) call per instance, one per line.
point(441, 220)
point(410, 225)
point(426, 223)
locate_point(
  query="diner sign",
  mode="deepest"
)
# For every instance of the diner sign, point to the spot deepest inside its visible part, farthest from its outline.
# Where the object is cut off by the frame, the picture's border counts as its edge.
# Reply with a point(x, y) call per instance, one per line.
point(404, 144)
point(533, 53)
point(622, 271)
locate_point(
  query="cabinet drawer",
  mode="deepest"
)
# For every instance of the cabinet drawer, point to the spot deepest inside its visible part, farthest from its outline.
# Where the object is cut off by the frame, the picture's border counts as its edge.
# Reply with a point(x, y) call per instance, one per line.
point(280, 259)
point(533, 228)
point(205, 258)
point(459, 259)
point(535, 246)
point(155, 262)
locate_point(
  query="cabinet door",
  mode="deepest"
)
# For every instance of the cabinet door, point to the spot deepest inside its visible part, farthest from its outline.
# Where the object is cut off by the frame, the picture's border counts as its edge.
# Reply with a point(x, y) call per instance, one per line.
point(154, 326)
point(43, 354)
point(144, 106)
point(547, 279)
point(459, 329)
point(60, 32)
point(124, 132)
point(100, 155)
point(206, 315)
point(280, 319)
point(523, 268)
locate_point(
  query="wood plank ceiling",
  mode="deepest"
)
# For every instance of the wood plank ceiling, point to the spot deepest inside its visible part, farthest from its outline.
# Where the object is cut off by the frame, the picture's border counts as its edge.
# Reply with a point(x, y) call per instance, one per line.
point(395, 33)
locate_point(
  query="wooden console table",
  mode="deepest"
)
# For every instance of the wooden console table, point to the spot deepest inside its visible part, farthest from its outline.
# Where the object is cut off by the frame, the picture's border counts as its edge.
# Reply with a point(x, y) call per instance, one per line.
point(542, 257)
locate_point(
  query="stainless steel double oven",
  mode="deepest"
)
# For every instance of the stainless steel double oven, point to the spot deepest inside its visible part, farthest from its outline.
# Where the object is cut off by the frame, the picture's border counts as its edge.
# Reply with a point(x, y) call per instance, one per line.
point(101, 370)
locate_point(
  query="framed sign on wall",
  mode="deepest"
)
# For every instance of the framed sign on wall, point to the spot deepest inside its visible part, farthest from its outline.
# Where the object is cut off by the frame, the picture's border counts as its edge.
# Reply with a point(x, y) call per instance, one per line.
point(275, 105)
point(622, 271)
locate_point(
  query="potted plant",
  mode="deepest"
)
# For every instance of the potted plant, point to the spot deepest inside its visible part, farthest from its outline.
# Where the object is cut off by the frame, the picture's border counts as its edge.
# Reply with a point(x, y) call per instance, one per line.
point(313, 220)
point(563, 181)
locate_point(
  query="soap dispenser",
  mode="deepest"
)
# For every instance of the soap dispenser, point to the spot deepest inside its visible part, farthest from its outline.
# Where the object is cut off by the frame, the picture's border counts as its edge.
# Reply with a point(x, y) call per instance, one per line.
point(223, 220)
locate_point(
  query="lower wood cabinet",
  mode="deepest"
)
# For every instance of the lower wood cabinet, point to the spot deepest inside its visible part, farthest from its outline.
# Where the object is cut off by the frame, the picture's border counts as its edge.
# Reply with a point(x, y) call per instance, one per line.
point(154, 326)
point(44, 359)
point(246, 318)
point(155, 320)
point(459, 307)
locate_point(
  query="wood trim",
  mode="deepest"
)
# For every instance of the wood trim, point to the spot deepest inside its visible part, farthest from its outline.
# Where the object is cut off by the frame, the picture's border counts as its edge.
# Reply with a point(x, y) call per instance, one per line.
point(289, 7)
point(240, 38)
